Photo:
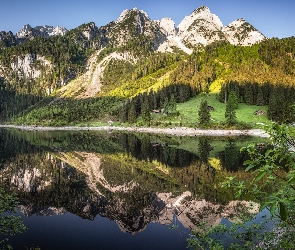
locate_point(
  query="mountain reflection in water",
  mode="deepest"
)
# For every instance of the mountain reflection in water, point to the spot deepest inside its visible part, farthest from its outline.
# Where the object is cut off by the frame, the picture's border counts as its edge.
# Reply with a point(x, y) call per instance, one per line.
point(131, 179)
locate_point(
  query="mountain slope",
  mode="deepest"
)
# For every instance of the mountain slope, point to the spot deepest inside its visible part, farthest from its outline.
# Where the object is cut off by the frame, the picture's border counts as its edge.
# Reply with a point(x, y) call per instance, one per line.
point(130, 56)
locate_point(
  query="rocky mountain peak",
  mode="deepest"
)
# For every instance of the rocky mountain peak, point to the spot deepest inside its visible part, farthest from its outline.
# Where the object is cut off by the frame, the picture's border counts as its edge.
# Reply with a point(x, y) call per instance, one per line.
point(24, 32)
point(202, 9)
point(240, 32)
point(58, 30)
point(201, 27)
point(135, 24)
point(126, 14)
point(202, 13)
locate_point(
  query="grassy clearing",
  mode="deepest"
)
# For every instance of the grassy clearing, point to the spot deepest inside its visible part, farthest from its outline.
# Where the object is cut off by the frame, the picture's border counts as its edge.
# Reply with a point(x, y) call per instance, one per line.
point(189, 112)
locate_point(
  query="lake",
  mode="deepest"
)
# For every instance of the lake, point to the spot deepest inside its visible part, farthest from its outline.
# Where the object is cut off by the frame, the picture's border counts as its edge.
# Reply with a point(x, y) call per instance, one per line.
point(100, 190)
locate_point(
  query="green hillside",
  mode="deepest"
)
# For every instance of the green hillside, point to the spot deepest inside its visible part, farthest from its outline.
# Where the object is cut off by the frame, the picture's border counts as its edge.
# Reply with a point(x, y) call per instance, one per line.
point(262, 76)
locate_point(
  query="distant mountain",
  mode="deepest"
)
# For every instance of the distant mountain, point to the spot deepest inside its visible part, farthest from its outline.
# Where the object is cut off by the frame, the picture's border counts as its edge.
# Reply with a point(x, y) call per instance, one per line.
point(27, 32)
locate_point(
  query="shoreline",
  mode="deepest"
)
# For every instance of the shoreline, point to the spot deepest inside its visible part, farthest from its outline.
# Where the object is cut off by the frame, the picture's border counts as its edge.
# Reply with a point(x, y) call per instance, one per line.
point(177, 131)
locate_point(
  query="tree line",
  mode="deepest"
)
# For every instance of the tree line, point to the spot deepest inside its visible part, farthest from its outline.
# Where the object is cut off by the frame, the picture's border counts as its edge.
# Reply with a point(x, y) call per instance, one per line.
point(278, 98)
point(163, 101)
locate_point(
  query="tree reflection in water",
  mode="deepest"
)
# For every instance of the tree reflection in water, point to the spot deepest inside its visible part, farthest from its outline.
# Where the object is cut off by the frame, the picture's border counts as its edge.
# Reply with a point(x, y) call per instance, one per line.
point(133, 179)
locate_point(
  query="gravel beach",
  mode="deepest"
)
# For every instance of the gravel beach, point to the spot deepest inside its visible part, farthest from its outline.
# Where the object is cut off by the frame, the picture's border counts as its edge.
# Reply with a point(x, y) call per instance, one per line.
point(177, 131)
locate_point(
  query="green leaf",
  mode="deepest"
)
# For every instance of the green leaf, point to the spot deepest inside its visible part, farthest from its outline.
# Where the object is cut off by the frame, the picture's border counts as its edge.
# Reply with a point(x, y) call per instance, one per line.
point(273, 208)
point(283, 211)
point(260, 176)
point(263, 205)
point(291, 181)
point(249, 167)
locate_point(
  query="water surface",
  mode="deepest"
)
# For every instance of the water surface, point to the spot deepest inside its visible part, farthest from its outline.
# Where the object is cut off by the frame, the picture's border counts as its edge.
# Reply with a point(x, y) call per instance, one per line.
point(99, 190)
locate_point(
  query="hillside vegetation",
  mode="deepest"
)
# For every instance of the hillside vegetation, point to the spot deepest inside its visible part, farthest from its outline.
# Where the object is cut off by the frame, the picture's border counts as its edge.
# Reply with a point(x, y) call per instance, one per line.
point(262, 77)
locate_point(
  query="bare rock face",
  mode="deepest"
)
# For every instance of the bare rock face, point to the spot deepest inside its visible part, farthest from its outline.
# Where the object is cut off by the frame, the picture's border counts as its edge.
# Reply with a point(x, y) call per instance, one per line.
point(27, 32)
point(240, 32)
point(168, 26)
point(134, 23)
point(201, 27)
point(27, 65)
point(59, 31)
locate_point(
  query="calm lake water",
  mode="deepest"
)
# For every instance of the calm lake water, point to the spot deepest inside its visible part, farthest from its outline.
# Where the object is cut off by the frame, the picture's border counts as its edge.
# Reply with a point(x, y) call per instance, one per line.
point(100, 190)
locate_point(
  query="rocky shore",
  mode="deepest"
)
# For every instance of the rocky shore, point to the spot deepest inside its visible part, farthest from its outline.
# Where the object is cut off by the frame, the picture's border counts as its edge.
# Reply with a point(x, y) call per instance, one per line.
point(177, 131)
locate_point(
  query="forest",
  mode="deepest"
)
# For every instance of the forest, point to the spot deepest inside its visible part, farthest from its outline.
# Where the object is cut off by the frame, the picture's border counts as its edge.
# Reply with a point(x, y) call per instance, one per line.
point(262, 74)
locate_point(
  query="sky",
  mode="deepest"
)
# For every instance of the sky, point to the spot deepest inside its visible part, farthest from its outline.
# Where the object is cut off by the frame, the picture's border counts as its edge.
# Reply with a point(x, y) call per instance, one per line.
point(273, 18)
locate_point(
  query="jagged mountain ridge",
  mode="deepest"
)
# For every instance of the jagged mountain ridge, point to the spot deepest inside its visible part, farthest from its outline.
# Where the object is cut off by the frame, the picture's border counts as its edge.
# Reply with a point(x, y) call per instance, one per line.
point(200, 28)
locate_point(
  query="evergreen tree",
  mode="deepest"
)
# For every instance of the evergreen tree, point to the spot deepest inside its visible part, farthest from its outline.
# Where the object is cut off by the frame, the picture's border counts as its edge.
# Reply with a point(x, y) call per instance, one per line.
point(123, 113)
point(260, 99)
point(132, 113)
point(172, 104)
point(248, 95)
point(204, 114)
point(166, 105)
point(275, 105)
point(230, 113)
point(204, 149)
point(233, 99)
point(230, 156)
point(145, 111)
point(288, 114)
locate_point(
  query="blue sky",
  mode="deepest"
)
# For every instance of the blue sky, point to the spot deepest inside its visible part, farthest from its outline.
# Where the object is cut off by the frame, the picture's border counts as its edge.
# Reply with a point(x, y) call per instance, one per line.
point(273, 18)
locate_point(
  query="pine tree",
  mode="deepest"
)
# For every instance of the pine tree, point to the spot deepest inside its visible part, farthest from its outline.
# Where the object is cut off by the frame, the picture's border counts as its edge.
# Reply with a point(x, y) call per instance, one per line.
point(145, 111)
point(204, 114)
point(132, 113)
point(248, 95)
point(172, 104)
point(230, 113)
point(233, 99)
point(204, 148)
point(123, 113)
point(260, 99)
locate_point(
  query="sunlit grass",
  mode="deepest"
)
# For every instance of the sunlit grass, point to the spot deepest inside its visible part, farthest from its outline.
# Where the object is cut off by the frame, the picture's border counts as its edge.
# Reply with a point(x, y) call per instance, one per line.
point(245, 113)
